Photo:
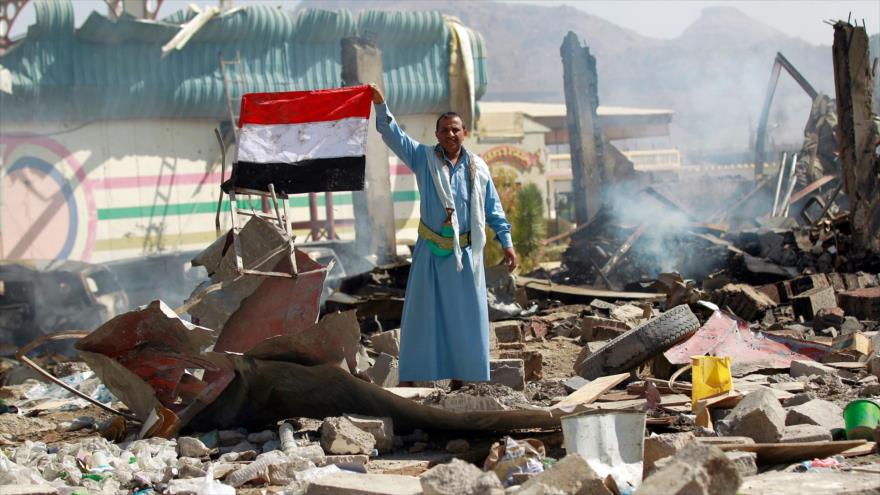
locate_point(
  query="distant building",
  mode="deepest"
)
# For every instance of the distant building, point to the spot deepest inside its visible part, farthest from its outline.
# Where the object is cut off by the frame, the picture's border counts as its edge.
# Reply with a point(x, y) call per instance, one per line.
point(107, 148)
point(532, 138)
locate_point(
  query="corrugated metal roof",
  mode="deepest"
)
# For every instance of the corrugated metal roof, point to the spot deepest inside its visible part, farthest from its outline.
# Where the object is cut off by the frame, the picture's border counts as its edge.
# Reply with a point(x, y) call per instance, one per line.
point(114, 69)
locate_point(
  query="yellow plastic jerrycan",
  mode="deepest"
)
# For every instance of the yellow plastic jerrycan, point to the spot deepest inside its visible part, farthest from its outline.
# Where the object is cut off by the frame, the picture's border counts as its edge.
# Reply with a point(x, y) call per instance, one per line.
point(710, 377)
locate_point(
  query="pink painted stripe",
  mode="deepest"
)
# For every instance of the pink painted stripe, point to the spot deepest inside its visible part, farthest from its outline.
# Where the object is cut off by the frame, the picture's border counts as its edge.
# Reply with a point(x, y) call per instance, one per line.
point(186, 179)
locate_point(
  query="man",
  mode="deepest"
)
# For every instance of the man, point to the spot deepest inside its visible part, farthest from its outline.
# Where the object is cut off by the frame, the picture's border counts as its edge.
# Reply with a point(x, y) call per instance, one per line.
point(445, 327)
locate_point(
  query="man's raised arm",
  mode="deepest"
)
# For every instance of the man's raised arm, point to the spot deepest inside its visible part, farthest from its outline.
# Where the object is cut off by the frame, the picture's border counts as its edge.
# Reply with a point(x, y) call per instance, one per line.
point(402, 145)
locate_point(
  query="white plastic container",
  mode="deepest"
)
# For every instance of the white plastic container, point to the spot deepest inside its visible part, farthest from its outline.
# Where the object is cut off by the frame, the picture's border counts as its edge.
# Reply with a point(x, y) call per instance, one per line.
point(611, 442)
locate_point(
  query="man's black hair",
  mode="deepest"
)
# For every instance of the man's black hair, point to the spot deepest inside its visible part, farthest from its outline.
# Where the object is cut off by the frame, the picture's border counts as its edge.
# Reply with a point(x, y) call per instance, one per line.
point(447, 115)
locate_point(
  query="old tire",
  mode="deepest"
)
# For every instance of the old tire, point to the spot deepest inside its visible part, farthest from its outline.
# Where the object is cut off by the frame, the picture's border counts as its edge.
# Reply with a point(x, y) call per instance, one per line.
point(640, 344)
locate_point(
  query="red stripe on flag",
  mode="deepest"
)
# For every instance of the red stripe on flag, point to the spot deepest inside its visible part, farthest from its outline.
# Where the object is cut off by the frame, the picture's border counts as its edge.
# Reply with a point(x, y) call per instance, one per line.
point(297, 107)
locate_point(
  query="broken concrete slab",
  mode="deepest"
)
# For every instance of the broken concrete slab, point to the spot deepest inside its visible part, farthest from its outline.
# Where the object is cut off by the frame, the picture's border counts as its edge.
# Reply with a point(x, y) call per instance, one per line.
point(387, 342)
point(574, 383)
point(784, 483)
point(805, 433)
point(365, 484)
point(572, 474)
point(510, 372)
point(798, 399)
point(758, 416)
point(816, 412)
point(809, 368)
point(697, 469)
point(458, 477)
point(340, 436)
point(659, 446)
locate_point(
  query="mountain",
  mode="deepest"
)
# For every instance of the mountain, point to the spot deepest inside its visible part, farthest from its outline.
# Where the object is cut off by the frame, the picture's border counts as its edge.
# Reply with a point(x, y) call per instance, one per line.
point(714, 75)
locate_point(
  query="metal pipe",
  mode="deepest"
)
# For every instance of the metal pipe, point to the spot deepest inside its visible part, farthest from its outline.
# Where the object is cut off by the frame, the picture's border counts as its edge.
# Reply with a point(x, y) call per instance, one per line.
point(69, 334)
point(783, 208)
point(779, 183)
point(315, 231)
point(328, 212)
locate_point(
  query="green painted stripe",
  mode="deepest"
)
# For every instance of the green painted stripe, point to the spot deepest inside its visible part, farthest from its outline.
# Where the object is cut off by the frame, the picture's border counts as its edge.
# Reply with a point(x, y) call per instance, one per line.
point(211, 207)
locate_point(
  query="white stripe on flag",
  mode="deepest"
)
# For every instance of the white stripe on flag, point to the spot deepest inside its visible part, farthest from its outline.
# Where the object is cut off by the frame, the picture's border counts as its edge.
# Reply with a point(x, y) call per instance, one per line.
point(291, 143)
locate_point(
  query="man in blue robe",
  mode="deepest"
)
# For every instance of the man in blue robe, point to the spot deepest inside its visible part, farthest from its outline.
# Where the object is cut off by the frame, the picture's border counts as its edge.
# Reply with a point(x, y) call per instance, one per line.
point(445, 326)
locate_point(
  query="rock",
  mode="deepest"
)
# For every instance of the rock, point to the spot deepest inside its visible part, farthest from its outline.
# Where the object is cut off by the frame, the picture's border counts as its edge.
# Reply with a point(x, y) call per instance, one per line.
point(459, 478)
point(816, 412)
point(874, 364)
point(798, 399)
point(508, 331)
point(659, 446)
point(744, 462)
point(628, 313)
point(386, 371)
point(787, 483)
point(510, 372)
point(340, 436)
point(349, 462)
point(382, 430)
point(191, 447)
point(851, 325)
point(574, 383)
point(805, 433)
point(809, 368)
point(458, 446)
point(758, 416)
point(572, 475)
point(870, 390)
point(697, 469)
point(387, 342)
point(364, 484)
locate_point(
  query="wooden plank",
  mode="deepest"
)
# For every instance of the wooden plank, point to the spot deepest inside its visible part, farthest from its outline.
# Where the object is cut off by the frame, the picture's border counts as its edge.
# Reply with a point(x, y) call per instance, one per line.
point(783, 453)
point(591, 391)
point(671, 401)
point(583, 294)
point(866, 449)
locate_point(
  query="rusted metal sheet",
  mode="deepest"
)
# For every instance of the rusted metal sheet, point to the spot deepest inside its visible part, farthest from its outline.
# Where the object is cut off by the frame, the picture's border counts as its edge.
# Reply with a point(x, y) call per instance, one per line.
point(723, 335)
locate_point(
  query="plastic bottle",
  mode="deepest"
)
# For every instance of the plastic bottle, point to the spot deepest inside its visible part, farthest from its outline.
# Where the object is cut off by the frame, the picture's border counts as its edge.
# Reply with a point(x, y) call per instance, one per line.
point(214, 487)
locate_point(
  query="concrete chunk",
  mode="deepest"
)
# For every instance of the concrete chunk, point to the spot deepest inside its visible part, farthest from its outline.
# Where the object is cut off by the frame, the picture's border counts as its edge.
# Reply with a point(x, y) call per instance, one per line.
point(508, 331)
point(744, 300)
point(460, 478)
point(744, 462)
point(660, 446)
point(808, 304)
point(510, 372)
point(386, 371)
point(805, 433)
point(387, 342)
point(570, 475)
point(809, 368)
point(798, 399)
point(816, 412)
point(341, 436)
point(382, 430)
point(758, 416)
point(697, 469)
point(365, 484)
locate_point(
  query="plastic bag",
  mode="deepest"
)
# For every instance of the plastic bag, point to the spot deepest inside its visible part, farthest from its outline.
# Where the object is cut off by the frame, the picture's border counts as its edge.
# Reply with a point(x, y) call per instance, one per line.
point(515, 456)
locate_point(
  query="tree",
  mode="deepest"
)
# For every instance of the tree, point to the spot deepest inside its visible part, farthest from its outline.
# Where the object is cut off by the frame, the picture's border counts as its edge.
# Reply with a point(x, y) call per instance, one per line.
point(528, 225)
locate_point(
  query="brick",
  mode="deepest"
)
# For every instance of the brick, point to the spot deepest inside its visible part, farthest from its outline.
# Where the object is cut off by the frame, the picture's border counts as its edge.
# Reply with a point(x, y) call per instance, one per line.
point(808, 304)
point(508, 331)
point(532, 360)
point(744, 300)
point(594, 328)
point(864, 304)
point(697, 469)
point(510, 372)
point(387, 342)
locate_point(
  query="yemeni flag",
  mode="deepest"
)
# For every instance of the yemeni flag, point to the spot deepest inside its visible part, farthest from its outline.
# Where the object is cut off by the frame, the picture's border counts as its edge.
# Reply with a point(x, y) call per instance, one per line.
point(303, 141)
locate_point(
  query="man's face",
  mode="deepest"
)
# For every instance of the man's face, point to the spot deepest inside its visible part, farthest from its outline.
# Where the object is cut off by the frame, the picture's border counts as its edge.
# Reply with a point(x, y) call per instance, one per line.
point(450, 134)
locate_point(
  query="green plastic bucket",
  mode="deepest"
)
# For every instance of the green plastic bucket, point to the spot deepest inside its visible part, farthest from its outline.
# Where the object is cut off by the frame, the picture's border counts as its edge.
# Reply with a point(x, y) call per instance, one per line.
point(861, 417)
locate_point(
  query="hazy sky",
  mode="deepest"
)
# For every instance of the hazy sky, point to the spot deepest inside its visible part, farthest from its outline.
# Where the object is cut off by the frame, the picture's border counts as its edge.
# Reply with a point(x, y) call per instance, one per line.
point(657, 18)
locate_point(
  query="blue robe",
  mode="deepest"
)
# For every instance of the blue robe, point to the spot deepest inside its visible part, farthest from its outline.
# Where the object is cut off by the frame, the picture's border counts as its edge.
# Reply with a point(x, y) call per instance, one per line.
point(445, 327)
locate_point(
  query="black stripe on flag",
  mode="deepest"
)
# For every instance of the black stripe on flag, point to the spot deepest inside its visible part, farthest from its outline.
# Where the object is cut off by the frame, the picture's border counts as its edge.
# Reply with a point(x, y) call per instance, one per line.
point(319, 175)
